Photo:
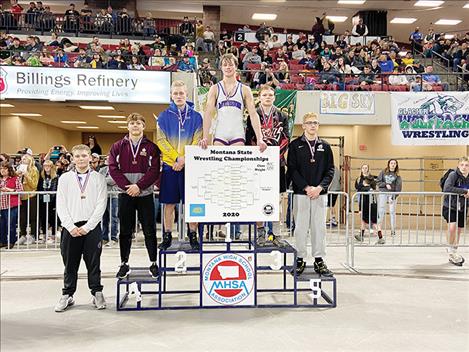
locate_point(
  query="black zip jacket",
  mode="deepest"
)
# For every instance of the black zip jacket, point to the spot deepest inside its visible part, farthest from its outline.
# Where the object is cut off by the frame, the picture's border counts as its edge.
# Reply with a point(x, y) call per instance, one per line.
point(303, 172)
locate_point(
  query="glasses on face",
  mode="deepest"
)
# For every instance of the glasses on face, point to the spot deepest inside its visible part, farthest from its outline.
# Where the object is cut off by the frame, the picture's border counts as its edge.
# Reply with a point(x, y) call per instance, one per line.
point(311, 123)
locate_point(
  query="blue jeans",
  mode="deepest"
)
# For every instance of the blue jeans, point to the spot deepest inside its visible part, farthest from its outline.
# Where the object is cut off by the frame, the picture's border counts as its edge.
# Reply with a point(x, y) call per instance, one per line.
point(8, 217)
point(270, 226)
point(114, 220)
point(235, 228)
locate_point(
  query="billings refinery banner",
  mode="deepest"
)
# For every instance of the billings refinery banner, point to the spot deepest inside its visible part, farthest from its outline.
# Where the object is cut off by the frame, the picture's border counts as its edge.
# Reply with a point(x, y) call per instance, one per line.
point(430, 118)
point(125, 86)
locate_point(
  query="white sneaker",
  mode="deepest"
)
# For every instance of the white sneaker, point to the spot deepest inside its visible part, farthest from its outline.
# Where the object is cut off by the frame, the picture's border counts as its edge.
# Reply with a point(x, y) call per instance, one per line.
point(29, 240)
point(98, 301)
point(64, 302)
point(22, 240)
point(456, 259)
point(50, 240)
point(381, 241)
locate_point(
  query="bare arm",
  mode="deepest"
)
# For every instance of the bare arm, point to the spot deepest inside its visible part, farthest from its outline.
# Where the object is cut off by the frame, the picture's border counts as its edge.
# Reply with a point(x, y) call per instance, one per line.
point(208, 114)
point(256, 124)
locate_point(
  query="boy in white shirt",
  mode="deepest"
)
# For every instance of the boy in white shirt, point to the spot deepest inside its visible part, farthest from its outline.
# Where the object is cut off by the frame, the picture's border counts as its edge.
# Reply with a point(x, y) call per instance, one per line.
point(81, 202)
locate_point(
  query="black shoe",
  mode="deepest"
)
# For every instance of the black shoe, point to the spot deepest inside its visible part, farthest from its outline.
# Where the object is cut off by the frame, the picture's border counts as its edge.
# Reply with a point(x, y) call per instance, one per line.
point(154, 271)
point(167, 239)
point(124, 270)
point(300, 267)
point(193, 241)
point(321, 269)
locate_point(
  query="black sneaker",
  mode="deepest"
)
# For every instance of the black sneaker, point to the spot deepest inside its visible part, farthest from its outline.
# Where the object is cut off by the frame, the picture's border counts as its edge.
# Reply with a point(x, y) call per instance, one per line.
point(261, 240)
point(321, 269)
point(124, 270)
point(300, 267)
point(167, 239)
point(154, 271)
point(193, 241)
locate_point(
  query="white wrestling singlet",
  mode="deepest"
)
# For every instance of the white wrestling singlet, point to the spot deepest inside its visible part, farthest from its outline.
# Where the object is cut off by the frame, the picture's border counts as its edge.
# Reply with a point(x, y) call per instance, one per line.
point(229, 125)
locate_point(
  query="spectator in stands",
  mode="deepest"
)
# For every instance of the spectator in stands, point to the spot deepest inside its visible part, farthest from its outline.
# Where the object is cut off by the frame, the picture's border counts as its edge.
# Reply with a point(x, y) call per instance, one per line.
point(366, 77)
point(199, 35)
point(209, 38)
point(388, 181)
point(9, 182)
point(95, 161)
point(268, 77)
point(431, 78)
point(282, 73)
point(30, 17)
point(17, 60)
point(149, 25)
point(157, 43)
point(135, 64)
point(16, 48)
point(29, 175)
point(266, 57)
point(263, 32)
point(416, 38)
point(103, 21)
point(186, 27)
point(251, 57)
point(171, 65)
point(273, 42)
point(185, 65)
point(280, 55)
point(207, 74)
point(342, 67)
point(399, 78)
point(47, 206)
point(460, 55)
point(328, 74)
point(94, 145)
point(386, 64)
point(297, 53)
point(157, 59)
point(54, 40)
point(34, 60)
point(96, 61)
point(308, 61)
point(71, 18)
point(318, 29)
point(360, 29)
point(86, 14)
point(82, 60)
point(289, 43)
point(408, 59)
point(61, 57)
point(375, 68)
point(430, 36)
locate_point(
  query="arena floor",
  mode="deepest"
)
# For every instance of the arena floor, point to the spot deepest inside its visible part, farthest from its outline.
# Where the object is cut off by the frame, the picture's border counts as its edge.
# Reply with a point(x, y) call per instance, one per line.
point(401, 299)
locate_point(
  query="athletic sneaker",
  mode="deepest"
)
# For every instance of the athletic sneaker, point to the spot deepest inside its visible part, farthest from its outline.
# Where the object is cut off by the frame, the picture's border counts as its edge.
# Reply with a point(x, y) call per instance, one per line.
point(154, 271)
point(393, 233)
point(22, 240)
point(260, 240)
point(124, 270)
point(321, 269)
point(50, 240)
point(456, 259)
point(359, 237)
point(167, 239)
point(332, 223)
point(29, 240)
point(98, 301)
point(300, 267)
point(381, 241)
point(64, 302)
point(193, 241)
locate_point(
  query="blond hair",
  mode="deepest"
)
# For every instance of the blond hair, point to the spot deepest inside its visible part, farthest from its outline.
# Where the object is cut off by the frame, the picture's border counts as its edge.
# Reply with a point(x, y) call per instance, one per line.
point(266, 87)
point(80, 147)
point(31, 165)
point(310, 116)
point(53, 172)
point(229, 57)
point(463, 159)
point(177, 84)
point(135, 116)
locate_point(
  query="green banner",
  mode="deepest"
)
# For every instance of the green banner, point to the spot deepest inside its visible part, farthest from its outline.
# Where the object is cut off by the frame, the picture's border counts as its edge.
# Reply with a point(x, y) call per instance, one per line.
point(285, 100)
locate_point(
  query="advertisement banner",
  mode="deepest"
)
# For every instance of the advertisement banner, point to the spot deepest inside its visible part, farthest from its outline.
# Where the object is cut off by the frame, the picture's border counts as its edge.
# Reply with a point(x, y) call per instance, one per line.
point(430, 118)
point(285, 100)
point(60, 84)
point(232, 184)
point(347, 103)
point(228, 279)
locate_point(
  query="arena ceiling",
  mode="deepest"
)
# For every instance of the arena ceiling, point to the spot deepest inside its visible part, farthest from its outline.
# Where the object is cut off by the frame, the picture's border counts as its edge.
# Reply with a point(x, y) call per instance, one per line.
point(53, 113)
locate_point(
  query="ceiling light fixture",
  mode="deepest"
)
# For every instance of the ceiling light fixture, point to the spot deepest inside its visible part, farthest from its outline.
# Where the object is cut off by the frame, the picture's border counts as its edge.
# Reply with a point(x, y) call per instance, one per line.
point(444, 22)
point(430, 3)
point(112, 116)
point(88, 127)
point(337, 19)
point(30, 114)
point(403, 20)
point(264, 16)
point(2, 105)
point(351, 2)
point(71, 122)
point(96, 107)
point(118, 122)
point(466, 6)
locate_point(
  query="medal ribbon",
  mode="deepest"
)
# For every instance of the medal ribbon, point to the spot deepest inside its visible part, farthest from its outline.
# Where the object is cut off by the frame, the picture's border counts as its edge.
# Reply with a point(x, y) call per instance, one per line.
point(311, 148)
point(135, 152)
point(83, 187)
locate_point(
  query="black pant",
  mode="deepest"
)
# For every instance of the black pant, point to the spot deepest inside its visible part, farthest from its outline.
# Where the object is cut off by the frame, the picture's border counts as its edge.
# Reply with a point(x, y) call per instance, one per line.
point(32, 209)
point(145, 207)
point(72, 248)
point(49, 210)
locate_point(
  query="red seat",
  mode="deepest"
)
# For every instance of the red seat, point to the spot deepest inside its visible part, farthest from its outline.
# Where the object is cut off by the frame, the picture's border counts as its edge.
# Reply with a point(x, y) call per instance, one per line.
point(297, 67)
point(397, 88)
point(253, 67)
point(294, 62)
point(300, 86)
point(288, 86)
point(297, 79)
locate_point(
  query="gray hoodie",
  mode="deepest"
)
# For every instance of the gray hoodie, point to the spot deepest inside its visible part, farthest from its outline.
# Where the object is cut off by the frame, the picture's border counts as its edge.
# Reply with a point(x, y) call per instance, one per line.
point(456, 183)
